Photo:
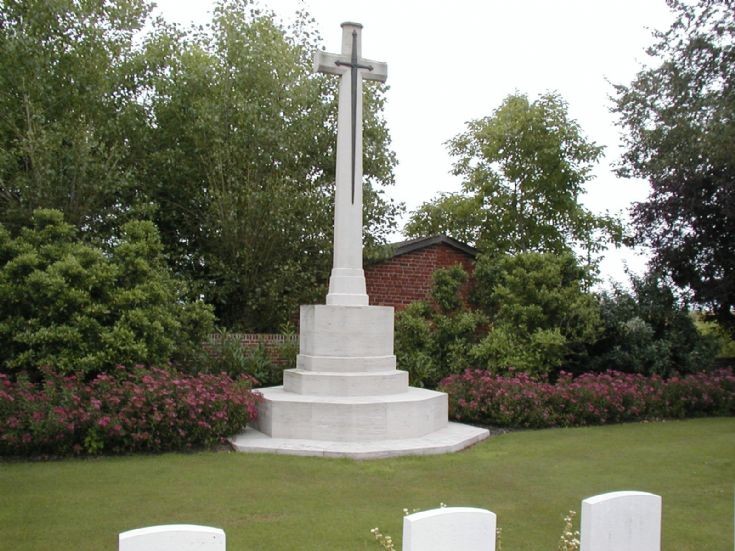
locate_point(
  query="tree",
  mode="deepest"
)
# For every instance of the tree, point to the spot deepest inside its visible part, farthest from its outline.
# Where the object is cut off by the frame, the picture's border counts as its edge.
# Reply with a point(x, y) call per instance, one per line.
point(242, 144)
point(70, 77)
point(222, 136)
point(523, 168)
point(679, 118)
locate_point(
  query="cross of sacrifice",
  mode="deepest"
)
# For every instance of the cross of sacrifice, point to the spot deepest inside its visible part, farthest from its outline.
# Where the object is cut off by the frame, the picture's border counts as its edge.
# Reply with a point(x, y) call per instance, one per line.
point(347, 282)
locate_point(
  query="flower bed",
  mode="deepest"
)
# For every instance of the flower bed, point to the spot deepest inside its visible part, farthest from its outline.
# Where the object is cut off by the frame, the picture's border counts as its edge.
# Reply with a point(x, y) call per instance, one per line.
point(131, 410)
point(591, 399)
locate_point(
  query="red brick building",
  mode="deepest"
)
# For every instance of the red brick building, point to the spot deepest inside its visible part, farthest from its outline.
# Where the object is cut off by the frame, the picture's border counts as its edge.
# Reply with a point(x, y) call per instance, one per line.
point(406, 276)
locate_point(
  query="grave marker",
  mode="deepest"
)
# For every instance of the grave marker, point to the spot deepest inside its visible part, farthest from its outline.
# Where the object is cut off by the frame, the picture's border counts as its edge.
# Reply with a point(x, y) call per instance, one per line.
point(621, 521)
point(455, 528)
point(173, 537)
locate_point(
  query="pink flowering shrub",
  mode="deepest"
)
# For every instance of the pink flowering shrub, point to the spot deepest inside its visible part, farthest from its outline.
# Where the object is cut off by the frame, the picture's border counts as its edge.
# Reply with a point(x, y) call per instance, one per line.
point(127, 411)
point(591, 399)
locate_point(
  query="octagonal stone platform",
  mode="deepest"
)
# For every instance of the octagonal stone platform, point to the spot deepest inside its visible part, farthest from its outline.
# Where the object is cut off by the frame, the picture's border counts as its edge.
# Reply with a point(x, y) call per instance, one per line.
point(452, 438)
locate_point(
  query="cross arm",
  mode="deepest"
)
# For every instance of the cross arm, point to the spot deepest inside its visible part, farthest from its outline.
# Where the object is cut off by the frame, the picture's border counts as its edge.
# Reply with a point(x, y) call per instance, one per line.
point(324, 62)
point(379, 72)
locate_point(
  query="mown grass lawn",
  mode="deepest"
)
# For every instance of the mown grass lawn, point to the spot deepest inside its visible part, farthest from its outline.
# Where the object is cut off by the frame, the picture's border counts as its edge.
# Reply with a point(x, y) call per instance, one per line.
point(530, 479)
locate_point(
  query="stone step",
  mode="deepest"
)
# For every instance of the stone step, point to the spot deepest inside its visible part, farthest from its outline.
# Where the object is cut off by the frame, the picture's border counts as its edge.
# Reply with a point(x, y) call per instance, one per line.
point(409, 414)
point(322, 383)
point(341, 364)
point(452, 438)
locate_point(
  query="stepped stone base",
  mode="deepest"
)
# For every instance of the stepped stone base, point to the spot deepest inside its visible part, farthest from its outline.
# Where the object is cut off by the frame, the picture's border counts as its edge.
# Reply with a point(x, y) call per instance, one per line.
point(452, 438)
point(346, 397)
point(322, 383)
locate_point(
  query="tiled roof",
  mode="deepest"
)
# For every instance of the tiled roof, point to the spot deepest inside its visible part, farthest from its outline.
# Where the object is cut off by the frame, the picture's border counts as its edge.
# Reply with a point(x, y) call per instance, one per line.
point(418, 243)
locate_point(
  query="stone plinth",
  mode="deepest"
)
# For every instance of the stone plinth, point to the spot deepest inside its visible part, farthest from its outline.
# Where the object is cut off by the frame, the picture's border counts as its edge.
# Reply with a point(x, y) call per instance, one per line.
point(345, 351)
point(346, 397)
point(346, 339)
point(454, 437)
point(345, 384)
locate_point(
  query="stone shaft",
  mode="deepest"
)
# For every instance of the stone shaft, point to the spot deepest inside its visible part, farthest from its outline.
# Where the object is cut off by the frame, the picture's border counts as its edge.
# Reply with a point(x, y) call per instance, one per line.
point(347, 281)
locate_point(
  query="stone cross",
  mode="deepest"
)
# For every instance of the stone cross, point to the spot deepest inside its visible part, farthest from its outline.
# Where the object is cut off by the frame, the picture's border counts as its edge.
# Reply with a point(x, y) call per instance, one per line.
point(347, 282)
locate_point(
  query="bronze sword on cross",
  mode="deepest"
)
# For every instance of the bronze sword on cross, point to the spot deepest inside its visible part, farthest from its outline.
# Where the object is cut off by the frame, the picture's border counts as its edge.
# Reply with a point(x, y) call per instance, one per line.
point(354, 66)
point(350, 59)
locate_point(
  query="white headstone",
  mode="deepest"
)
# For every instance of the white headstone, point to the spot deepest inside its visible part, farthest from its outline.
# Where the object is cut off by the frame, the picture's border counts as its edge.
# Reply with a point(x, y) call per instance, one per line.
point(621, 521)
point(455, 528)
point(173, 537)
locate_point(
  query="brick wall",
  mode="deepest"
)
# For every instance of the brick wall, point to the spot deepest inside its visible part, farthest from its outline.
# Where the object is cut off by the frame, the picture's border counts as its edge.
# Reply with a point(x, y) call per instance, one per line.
point(406, 278)
point(274, 344)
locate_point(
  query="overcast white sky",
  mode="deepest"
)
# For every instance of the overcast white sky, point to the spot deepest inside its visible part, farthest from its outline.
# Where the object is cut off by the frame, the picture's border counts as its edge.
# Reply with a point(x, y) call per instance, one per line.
point(454, 61)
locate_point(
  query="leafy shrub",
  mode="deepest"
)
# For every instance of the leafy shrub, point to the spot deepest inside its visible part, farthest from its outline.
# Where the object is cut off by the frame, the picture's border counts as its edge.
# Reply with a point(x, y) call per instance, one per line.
point(723, 343)
point(128, 410)
point(83, 310)
point(590, 399)
point(541, 316)
point(289, 350)
point(434, 339)
point(261, 367)
point(648, 330)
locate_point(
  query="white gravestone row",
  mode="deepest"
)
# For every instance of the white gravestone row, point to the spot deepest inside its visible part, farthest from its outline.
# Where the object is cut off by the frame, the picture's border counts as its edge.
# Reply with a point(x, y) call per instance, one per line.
point(616, 521)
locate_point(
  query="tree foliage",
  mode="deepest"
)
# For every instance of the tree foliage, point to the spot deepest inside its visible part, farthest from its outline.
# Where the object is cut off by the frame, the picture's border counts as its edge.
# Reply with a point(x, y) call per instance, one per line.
point(244, 142)
point(523, 169)
point(220, 135)
point(435, 338)
point(527, 312)
point(70, 77)
point(78, 309)
point(679, 119)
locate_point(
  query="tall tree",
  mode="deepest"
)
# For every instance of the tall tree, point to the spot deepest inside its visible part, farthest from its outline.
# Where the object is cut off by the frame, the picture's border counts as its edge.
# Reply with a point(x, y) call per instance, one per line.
point(523, 169)
point(70, 77)
point(241, 163)
point(679, 118)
